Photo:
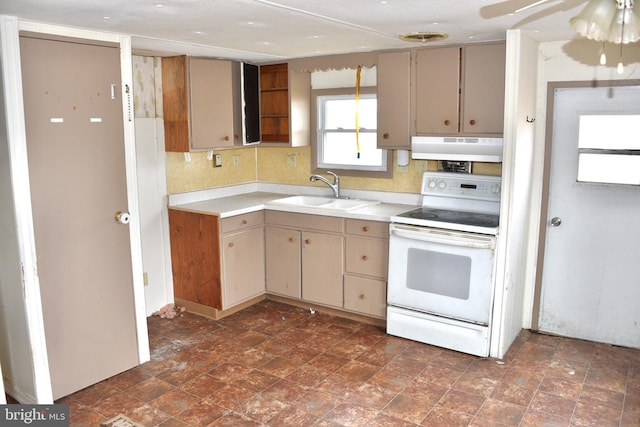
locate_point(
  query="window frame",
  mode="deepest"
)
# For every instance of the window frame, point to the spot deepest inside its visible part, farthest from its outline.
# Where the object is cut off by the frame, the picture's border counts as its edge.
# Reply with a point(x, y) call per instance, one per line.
point(349, 91)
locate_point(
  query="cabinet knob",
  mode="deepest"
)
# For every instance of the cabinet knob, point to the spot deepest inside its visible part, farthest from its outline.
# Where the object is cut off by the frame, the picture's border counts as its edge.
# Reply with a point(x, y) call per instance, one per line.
point(226, 138)
point(236, 137)
point(244, 222)
point(446, 122)
point(362, 296)
point(307, 241)
point(291, 239)
point(365, 229)
point(472, 122)
point(230, 244)
point(364, 257)
point(385, 135)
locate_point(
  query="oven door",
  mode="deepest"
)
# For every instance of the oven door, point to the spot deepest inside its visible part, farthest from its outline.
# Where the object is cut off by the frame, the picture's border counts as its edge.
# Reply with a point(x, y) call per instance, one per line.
point(445, 273)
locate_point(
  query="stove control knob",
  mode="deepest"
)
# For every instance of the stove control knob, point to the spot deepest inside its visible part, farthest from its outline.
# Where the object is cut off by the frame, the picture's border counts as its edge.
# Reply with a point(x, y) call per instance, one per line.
point(495, 189)
point(431, 183)
point(442, 185)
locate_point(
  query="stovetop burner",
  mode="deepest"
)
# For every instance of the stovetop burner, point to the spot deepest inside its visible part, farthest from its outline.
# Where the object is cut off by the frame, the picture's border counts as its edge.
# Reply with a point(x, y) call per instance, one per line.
point(455, 217)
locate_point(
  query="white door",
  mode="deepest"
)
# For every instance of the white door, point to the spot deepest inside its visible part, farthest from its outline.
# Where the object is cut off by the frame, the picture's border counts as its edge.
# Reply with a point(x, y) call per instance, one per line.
point(75, 146)
point(591, 275)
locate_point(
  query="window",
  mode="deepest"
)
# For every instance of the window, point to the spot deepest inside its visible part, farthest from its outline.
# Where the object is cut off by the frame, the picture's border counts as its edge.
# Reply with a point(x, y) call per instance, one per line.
point(609, 149)
point(335, 147)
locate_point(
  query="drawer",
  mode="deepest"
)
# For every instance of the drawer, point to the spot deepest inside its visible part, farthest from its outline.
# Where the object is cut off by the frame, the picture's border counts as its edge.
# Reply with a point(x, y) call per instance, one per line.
point(306, 221)
point(361, 227)
point(367, 256)
point(367, 296)
point(240, 222)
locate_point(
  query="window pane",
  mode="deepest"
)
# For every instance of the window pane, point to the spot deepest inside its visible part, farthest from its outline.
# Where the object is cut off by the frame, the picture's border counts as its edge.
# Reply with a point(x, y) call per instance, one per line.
point(341, 113)
point(609, 168)
point(340, 149)
point(610, 132)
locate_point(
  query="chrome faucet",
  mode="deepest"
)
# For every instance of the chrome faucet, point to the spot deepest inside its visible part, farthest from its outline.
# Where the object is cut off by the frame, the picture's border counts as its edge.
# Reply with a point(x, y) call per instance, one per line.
point(335, 186)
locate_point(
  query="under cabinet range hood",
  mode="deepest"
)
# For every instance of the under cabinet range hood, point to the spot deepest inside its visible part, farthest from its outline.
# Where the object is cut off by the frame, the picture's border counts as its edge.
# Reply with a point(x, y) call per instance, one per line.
point(473, 149)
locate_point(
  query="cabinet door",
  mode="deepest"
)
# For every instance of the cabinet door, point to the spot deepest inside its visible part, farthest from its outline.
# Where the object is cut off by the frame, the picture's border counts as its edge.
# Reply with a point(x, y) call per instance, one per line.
point(394, 74)
point(195, 257)
point(211, 93)
point(367, 296)
point(483, 89)
point(243, 261)
point(322, 268)
point(367, 256)
point(283, 261)
point(437, 90)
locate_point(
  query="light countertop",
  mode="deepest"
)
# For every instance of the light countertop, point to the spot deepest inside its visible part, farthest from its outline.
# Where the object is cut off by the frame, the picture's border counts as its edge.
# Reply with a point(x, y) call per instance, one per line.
point(243, 203)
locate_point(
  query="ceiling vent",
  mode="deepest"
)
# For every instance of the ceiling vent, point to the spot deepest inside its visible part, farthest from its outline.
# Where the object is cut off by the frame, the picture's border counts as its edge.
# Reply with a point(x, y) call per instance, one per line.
point(424, 37)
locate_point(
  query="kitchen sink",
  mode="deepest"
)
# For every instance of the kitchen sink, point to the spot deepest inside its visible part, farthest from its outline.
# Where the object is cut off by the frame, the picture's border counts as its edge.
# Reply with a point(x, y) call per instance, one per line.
point(319, 202)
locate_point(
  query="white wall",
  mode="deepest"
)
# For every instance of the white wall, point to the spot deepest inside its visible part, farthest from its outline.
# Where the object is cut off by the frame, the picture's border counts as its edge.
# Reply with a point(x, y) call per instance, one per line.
point(576, 60)
point(520, 84)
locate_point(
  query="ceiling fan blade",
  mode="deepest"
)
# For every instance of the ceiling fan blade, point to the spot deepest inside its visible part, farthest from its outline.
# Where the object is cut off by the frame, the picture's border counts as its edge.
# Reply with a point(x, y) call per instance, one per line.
point(507, 7)
point(563, 6)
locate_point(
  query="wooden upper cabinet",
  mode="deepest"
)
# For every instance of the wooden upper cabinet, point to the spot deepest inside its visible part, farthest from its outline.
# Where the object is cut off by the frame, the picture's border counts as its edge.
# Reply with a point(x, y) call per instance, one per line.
point(437, 90)
point(284, 105)
point(460, 90)
point(483, 89)
point(393, 93)
point(198, 103)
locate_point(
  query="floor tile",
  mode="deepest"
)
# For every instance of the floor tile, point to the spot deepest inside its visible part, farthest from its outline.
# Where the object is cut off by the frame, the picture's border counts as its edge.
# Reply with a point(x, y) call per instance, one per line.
point(274, 365)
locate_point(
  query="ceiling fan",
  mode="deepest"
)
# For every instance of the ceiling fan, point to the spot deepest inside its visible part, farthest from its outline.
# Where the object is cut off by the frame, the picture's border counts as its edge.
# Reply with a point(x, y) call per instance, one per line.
point(514, 7)
point(509, 7)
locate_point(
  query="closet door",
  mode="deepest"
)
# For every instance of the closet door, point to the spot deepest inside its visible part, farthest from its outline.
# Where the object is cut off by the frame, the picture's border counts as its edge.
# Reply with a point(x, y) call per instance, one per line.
point(75, 146)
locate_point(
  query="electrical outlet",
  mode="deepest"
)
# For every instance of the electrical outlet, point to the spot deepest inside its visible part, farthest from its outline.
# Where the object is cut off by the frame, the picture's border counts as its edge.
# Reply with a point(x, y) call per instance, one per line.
point(237, 161)
point(291, 160)
point(145, 279)
point(218, 160)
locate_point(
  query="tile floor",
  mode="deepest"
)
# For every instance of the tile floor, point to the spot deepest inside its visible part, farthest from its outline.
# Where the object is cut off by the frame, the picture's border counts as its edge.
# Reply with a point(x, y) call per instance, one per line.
point(276, 365)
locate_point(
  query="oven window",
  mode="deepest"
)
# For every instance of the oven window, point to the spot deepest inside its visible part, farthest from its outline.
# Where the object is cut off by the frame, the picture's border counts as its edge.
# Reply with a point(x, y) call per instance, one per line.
point(439, 273)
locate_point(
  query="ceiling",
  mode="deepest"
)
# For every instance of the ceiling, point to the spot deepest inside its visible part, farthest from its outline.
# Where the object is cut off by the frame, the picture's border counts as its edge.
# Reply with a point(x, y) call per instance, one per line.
point(261, 30)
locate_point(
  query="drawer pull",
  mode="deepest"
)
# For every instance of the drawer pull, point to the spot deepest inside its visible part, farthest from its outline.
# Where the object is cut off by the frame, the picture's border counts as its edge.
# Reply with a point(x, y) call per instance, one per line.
point(364, 257)
point(362, 296)
point(244, 222)
point(308, 241)
point(231, 244)
point(365, 229)
point(291, 239)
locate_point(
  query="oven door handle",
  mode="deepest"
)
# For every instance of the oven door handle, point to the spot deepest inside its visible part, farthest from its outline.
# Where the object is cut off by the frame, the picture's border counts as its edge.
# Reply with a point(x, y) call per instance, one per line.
point(445, 237)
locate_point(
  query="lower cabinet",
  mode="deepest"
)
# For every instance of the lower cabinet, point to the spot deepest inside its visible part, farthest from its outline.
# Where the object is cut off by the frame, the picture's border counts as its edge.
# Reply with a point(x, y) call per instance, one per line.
point(242, 266)
point(331, 261)
point(283, 261)
point(322, 268)
point(217, 264)
point(367, 261)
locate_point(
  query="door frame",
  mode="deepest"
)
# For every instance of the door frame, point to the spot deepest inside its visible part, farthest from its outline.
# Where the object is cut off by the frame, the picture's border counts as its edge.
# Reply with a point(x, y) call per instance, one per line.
point(11, 27)
point(546, 173)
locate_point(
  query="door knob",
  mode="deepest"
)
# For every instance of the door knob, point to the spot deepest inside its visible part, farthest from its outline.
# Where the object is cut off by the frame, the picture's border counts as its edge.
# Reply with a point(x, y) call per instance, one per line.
point(123, 217)
point(555, 221)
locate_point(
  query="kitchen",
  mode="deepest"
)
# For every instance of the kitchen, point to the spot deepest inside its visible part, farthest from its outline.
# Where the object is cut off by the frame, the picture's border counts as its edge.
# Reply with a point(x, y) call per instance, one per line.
point(183, 176)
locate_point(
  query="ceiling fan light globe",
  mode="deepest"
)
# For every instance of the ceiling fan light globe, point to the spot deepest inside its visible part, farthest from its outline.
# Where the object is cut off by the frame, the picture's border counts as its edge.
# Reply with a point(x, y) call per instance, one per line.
point(595, 19)
point(630, 32)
